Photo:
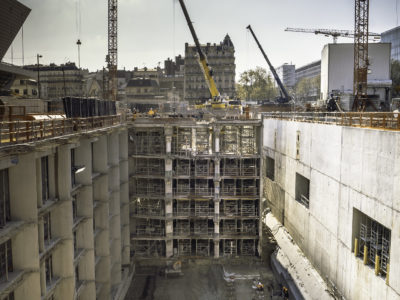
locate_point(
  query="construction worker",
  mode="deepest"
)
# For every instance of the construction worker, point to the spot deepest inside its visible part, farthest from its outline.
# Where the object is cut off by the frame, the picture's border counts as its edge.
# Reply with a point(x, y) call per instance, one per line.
point(285, 292)
point(260, 286)
point(151, 112)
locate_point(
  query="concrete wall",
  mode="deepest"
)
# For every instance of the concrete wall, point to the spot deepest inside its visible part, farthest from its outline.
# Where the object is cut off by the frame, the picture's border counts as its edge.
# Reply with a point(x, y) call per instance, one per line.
point(348, 168)
point(337, 66)
point(89, 247)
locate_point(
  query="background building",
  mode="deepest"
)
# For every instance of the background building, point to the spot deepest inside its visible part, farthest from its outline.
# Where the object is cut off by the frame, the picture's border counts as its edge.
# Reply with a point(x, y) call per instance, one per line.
point(287, 75)
point(337, 73)
point(221, 58)
point(392, 36)
point(59, 81)
point(309, 71)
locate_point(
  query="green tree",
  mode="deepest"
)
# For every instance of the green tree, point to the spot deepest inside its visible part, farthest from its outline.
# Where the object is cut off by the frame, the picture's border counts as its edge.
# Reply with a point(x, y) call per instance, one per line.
point(395, 76)
point(256, 84)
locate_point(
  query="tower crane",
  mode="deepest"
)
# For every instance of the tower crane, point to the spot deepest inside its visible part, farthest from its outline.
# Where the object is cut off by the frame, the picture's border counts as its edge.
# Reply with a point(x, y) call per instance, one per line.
point(361, 62)
point(285, 97)
point(335, 33)
point(112, 56)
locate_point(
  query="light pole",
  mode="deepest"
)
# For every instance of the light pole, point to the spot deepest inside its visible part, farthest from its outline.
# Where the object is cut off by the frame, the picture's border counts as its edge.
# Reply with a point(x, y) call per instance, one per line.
point(79, 43)
point(38, 73)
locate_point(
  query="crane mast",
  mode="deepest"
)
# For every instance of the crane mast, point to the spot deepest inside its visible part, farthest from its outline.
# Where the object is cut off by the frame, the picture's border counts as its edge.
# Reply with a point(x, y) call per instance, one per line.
point(112, 56)
point(361, 54)
point(286, 97)
point(202, 57)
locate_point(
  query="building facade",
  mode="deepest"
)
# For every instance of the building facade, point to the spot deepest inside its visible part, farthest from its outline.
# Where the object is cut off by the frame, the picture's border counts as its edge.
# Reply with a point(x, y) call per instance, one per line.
point(287, 75)
point(65, 216)
point(308, 71)
point(195, 189)
point(59, 81)
point(221, 59)
point(392, 36)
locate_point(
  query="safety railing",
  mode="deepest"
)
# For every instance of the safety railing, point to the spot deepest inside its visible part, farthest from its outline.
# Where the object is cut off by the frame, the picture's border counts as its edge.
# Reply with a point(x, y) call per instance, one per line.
point(16, 132)
point(378, 120)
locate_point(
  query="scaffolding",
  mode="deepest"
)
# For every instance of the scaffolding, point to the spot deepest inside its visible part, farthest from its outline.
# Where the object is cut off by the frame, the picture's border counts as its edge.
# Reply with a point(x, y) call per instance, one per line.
point(249, 227)
point(149, 207)
point(229, 167)
point(182, 208)
point(202, 247)
point(240, 187)
point(203, 227)
point(203, 141)
point(229, 227)
point(182, 187)
point(182, 141)
point(203, 208)
point(249, 208)
point(229, 247)
point(182, 227)
point(248, 140)
point(230, 140)
point(248, 247)
point(147, 187)
point(148, 167)
point(147, 141)
point(150, 228)
point(184, 248)
point(182, 167)
point(229, 208)
point(249, 167)
point(147, 248)
point(204, 187)
point(204, 168)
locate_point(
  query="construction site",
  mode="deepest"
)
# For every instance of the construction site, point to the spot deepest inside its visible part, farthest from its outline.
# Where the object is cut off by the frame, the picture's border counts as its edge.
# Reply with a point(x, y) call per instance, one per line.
point(206, 198)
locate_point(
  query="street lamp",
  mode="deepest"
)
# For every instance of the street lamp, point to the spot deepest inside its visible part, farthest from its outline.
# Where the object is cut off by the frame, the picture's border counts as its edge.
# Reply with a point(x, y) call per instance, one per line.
point(79, 43)
point(38, 73)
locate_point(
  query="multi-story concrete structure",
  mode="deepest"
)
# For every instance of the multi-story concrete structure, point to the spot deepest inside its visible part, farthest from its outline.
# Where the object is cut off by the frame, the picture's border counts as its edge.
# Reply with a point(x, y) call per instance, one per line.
point(287, 75)
point(221, 59)
point(339, 199)
point(308, 71)
point(392, 36)
point(65, 211)
point(59, 81)
point(195, 187)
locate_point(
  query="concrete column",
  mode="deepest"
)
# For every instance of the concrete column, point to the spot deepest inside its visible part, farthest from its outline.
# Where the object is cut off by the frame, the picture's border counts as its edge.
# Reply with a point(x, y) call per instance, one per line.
point(168, 195)
point(217, 131)
point(194, 140)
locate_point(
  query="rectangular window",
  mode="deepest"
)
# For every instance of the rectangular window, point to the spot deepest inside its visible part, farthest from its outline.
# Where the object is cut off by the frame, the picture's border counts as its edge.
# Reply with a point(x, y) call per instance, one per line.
point(5, 213)
point(270, 164)
point(45, 178)
point(373, 241)
point(73, 169)
point(47, 228)
point(48, 264)
point(6, 265)
point(303, 190)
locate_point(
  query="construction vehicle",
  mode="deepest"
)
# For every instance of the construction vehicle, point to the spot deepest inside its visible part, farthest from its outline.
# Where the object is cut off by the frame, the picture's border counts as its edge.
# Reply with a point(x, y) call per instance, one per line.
point(284, 96)
point(216, 101)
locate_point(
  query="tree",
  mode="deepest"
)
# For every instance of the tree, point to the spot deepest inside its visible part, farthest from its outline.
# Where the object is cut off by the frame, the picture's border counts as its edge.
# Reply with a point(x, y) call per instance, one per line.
point(256, 84)
point(395, 76)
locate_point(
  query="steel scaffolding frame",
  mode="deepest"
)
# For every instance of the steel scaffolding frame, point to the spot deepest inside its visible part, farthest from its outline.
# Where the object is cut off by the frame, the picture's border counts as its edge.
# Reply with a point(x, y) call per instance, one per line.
point(204, 167)
point(203, 141)
point(229, 167)
point(248, 140)
point(182, 141)
point(239, 187)
point(249, 227)
point(150, 227)
point(149, 167)
point(147, 187)
point(229, 208)
point(229, 247)
point(230, 140)
point(147, 141)
point(148, 248)
point(184, 247)
point(182, 167)
point(149, 207)
point(229, 227)
point(182, 208)
point(182, 227)
point(248, 247)
point(202, 247)
point(202, 227)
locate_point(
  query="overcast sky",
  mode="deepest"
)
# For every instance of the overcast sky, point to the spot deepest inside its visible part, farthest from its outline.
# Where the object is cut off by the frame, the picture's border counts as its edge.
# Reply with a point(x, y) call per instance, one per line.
point(150, 31)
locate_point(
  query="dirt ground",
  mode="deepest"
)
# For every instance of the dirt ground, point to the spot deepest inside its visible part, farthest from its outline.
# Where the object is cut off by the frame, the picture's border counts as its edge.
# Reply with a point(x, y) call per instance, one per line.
point(204, 282)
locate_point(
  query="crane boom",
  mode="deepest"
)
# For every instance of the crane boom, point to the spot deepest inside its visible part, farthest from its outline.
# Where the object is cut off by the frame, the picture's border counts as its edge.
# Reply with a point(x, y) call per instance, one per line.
point(112, 56)
point(335, 33)
point(202, 57)
point(271, 67)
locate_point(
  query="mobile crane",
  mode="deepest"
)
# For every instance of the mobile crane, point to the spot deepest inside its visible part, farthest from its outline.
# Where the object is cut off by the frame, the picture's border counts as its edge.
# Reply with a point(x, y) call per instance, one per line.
point(285, 97)
point(216, 99)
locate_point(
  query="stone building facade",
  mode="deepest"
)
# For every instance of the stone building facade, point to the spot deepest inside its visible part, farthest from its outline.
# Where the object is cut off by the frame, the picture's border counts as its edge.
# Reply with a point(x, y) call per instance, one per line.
point(221, 58)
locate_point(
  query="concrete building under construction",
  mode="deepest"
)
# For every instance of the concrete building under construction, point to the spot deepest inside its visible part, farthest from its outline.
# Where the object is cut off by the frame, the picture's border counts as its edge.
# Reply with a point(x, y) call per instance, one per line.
point(195, 187)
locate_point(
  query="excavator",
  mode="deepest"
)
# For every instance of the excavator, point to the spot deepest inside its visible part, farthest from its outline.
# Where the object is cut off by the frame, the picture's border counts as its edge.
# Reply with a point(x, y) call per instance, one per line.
point(284, 97)
point(216, 101)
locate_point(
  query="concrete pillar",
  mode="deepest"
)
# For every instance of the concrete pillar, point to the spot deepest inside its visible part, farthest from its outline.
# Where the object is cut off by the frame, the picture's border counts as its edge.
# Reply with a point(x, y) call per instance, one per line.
point(217, 131)
point(169, 251)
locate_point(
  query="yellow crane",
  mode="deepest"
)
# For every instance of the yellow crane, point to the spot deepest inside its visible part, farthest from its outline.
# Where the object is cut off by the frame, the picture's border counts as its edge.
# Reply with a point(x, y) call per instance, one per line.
point(216, 99)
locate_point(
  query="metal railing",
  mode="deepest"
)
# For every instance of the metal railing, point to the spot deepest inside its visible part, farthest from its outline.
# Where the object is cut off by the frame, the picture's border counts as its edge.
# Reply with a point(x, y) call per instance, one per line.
point(16, 132)
point(378, 120)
